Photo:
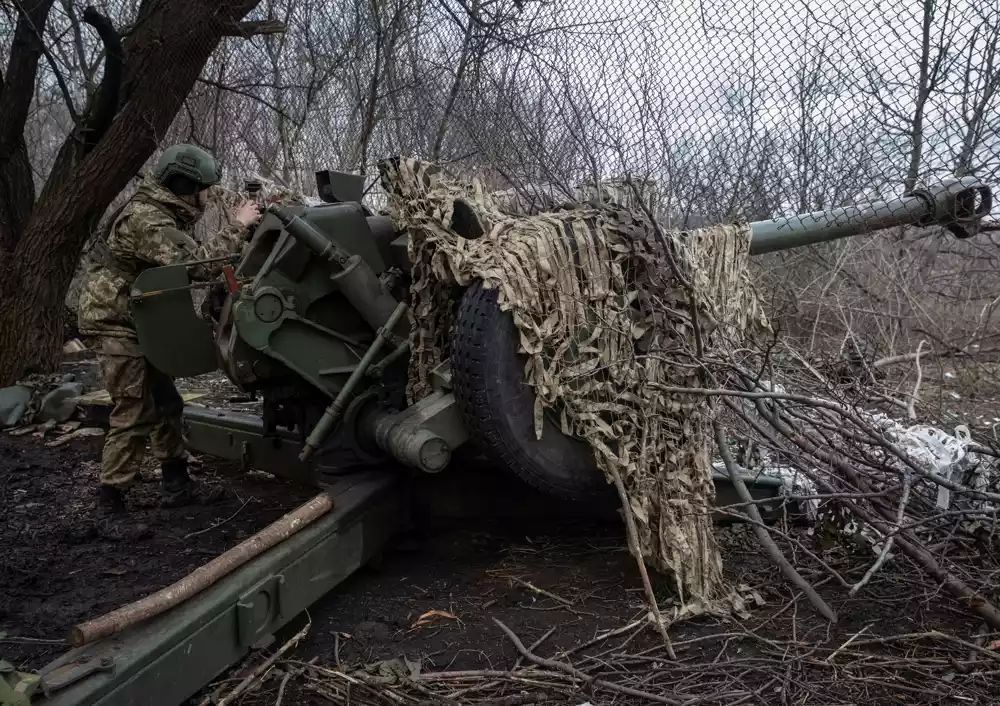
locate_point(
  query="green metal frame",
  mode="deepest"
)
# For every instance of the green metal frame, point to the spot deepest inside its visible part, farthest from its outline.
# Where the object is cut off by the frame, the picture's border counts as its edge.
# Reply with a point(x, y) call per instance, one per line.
point(173, 337)
point(239, 437)
point(166, 660)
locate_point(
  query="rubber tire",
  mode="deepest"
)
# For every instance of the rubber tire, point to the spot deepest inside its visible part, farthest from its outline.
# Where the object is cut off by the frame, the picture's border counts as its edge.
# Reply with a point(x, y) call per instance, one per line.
point(497, 405)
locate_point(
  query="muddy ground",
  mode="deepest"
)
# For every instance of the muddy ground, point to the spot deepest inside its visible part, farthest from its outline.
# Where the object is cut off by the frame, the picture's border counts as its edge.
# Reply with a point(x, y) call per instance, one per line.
point(591, 586)
point(571, 577)
point(57, 569)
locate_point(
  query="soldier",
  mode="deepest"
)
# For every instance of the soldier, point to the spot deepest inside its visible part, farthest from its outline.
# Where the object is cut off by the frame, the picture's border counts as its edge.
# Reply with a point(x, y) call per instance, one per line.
point(152, 229)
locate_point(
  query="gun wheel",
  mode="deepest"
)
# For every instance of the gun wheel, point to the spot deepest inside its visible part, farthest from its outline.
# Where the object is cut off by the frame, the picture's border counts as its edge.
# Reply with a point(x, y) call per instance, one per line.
point(497, 405)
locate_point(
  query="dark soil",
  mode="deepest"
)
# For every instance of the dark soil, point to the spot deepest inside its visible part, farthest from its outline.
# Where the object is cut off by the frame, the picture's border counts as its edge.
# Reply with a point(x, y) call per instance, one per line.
point(473, 577)
point(55, 567)
point(55, 571)
point(592, 586)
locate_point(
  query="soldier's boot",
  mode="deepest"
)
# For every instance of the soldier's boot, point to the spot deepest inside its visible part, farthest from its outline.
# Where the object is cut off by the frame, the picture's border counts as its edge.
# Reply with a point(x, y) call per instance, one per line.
point(111, 500)
point(179, 489)
point(114, 524)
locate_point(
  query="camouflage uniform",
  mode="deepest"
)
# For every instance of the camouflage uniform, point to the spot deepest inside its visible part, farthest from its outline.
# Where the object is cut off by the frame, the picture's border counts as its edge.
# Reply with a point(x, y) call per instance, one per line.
point(153, 229)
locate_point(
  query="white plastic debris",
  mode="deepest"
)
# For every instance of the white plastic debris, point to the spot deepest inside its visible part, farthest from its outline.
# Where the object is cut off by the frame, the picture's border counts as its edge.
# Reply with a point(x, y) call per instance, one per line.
point(776, 388)
point(933, 450)
point(939, 453)
point(930, 448)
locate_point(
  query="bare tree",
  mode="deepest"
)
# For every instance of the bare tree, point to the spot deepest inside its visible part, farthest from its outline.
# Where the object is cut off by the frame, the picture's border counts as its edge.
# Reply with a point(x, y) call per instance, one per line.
point(134, 105)
point(980, 86)
point(904, 101)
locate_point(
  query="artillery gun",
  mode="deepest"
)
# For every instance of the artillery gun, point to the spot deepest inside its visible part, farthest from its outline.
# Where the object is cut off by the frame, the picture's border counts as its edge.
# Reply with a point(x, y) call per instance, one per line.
point(314, 324)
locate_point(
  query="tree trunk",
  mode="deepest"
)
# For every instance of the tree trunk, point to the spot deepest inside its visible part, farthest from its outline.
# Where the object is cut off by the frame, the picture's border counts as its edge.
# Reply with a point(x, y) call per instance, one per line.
point(167, 51)
point(17, 191)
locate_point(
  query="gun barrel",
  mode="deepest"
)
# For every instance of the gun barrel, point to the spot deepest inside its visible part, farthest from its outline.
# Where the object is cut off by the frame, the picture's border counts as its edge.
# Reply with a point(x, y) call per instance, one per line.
point(957, 204)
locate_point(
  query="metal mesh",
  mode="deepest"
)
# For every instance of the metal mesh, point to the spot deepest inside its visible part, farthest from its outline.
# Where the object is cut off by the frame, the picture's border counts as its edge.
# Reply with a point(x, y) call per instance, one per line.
point(728, 109)
point(695, 112)
point(712, 112)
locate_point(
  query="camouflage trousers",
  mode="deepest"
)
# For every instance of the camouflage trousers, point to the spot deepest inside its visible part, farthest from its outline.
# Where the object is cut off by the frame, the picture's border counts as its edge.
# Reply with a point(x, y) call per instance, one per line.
point(147, 408)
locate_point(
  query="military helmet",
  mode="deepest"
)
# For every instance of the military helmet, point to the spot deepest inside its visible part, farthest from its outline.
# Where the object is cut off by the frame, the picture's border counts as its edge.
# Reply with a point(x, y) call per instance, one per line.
point(195, 167)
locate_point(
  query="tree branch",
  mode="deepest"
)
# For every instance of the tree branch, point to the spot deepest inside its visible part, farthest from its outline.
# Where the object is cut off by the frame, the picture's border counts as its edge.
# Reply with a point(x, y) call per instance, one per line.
point(769, 545)
point(60, 79)
point(253, 28)
point(102, 105)
point(26, 50)
point(17, 87)
point(247, 94)
point(105, 103)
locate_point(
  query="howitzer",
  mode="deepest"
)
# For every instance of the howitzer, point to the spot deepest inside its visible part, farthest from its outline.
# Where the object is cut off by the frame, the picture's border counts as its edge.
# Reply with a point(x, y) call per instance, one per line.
point(956, 204)
point(315, 324)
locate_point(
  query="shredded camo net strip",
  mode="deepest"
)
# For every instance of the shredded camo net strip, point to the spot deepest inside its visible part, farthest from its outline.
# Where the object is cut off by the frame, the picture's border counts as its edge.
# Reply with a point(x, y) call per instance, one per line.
point(603, 302)
point(227, 200)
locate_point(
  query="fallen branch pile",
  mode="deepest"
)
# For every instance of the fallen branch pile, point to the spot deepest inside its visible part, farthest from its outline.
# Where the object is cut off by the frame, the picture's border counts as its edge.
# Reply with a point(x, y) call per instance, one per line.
point(917, 491)
point(733, 665)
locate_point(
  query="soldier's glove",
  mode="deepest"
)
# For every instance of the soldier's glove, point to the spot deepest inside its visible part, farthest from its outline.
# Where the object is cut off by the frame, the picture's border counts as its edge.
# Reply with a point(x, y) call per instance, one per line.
point(211, 308)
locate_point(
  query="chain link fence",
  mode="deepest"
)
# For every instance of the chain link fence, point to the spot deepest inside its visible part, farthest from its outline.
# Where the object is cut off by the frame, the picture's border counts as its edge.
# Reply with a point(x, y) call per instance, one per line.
point(718, 111)
point(728, 109)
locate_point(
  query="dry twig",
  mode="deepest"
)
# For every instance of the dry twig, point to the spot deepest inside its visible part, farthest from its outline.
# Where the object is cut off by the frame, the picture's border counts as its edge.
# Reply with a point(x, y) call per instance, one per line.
point(633, 545)
point(762, 535)
point(258, 673)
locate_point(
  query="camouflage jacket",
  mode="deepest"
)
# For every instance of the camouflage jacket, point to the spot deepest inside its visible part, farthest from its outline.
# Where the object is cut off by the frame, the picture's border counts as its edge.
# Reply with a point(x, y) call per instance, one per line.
point(154, 229)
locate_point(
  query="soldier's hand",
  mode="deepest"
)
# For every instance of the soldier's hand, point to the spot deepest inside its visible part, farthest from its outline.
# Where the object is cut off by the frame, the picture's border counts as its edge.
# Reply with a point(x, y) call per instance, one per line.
point(247, 214)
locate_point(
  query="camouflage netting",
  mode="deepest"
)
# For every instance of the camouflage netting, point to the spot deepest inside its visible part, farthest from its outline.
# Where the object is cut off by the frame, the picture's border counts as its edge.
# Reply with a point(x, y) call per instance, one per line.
point(596, 292)
point(227, 200)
